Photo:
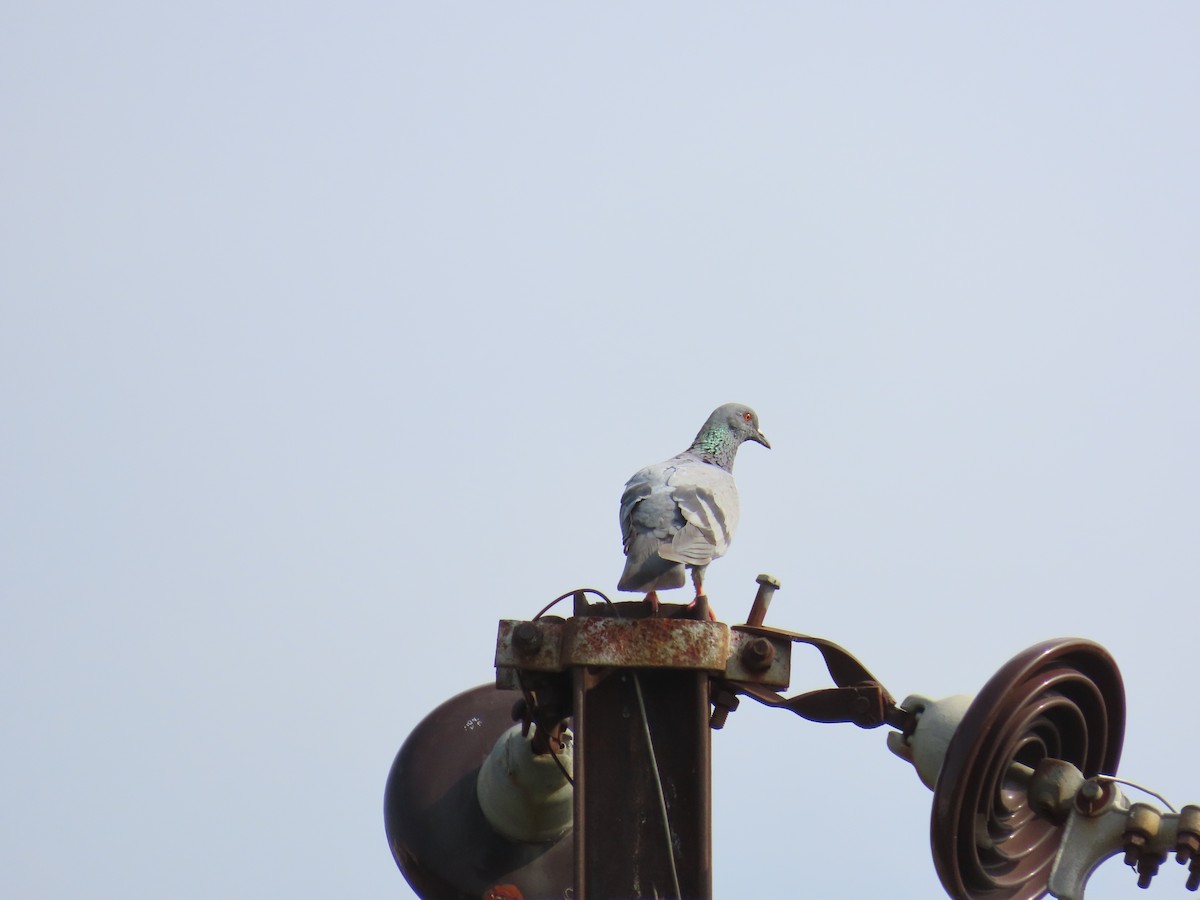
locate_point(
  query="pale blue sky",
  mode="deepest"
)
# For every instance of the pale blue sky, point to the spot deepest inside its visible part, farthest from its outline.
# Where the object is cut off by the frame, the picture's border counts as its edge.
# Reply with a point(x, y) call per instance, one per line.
point(331, 333)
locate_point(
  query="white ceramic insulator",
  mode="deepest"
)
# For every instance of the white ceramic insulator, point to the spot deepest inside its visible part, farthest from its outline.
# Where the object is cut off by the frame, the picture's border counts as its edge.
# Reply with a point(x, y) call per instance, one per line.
point(525, 797)
point(937, 720)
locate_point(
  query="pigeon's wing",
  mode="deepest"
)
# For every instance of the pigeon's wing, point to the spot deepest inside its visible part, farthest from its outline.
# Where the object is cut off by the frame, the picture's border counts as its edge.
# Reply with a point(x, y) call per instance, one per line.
point(647, 507)
point(650, 518)
point(706, 497)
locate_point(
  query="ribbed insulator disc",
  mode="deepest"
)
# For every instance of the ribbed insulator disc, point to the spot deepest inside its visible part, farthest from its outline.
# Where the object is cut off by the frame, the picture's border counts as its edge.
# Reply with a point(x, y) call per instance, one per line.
point(1062, 699)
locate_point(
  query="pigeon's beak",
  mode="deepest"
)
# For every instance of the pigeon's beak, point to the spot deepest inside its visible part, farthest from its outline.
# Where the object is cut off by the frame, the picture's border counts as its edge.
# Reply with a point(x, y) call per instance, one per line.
point(760, 438)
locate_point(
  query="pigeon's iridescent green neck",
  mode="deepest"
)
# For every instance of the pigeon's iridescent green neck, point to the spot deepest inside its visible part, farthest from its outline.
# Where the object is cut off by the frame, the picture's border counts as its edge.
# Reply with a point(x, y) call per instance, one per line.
point(717, 444)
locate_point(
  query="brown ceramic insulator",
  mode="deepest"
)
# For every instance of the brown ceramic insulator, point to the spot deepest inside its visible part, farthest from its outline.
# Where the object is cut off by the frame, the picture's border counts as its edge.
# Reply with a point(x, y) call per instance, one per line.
point(1061, 699)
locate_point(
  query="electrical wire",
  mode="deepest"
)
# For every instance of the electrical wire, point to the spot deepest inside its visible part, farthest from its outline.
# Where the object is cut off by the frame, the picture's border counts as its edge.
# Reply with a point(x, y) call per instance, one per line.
point(530, 706)
point(545, 609)
point(562, 768)
point(1144, 790)
point(662, 800)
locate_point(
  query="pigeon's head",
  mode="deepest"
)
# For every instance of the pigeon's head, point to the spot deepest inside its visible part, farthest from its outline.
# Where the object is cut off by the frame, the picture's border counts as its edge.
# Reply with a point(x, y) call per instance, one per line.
point(742, 421)
point(728, 428)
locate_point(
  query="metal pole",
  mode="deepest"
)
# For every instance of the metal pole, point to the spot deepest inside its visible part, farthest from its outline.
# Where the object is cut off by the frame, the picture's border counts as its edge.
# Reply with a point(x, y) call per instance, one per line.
point(623, 848)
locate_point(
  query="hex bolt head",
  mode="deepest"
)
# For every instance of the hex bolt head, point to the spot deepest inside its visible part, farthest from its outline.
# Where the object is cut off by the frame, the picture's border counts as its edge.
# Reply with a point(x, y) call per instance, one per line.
point(527, 639)
point(758, 654)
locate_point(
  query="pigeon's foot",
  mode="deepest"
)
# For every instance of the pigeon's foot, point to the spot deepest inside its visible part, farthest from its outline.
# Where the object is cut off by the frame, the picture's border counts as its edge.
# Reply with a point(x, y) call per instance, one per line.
point(699, 609)
point(652, 604)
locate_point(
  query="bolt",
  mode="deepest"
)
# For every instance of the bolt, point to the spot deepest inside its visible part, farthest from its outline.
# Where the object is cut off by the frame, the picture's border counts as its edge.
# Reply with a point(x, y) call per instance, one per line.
point(1143, 820)
point(724, 702)
point(1193, 882)
point(527, 639)
point(767, 586)
point(1188, 841)
point(1147, 868)
point(758, 654)
point(1091, 798)
point(1187, 848)
point(1134, 845)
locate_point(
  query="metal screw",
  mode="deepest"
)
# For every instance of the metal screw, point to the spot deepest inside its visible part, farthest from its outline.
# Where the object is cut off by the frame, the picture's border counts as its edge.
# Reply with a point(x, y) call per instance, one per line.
point(758, 654)
point(767, 586)
point(527, 638)
point(724, 702)
point(1147, 867)
point(1187, 848)
point(1188, 841)
point(1134, 845)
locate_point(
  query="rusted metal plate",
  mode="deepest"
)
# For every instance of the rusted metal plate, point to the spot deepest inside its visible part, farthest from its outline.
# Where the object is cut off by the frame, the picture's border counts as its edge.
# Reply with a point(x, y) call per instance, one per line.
point(530, 645)
point(773, 669)
point(646, 643)
point(551, 646)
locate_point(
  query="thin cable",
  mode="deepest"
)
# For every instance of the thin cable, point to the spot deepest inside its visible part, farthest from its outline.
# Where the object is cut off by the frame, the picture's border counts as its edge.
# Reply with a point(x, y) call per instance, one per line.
point(658, 787)
point(662, 800)
point(530, 706)
point(562, 768)
point(563, 597)
point(1144, 790)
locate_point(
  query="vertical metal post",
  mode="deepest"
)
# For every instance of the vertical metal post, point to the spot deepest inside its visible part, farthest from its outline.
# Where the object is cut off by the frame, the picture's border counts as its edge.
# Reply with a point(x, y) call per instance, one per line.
point(623, 848)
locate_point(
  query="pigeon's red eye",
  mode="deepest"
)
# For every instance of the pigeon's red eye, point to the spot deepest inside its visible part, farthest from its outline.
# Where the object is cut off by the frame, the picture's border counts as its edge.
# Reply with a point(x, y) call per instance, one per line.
point(747, 417)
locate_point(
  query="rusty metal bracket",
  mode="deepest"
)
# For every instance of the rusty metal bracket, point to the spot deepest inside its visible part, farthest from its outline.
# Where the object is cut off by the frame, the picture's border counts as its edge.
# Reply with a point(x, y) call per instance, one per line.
point(546, 645)
point(859, 698)
point(751, 659)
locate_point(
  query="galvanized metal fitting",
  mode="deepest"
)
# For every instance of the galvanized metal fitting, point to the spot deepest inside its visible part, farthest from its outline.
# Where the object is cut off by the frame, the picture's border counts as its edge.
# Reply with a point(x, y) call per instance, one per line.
point(1053, 786)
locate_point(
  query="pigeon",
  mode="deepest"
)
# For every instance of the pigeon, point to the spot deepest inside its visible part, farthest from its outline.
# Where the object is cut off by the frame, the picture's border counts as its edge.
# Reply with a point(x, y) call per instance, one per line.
point(683, 511)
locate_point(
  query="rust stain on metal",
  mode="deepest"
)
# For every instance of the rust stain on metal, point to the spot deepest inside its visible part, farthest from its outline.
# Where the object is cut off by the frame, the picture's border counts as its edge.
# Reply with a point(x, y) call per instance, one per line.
point(503, 892)
point(529, 645)
point(646, 643)
point(769, 663)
